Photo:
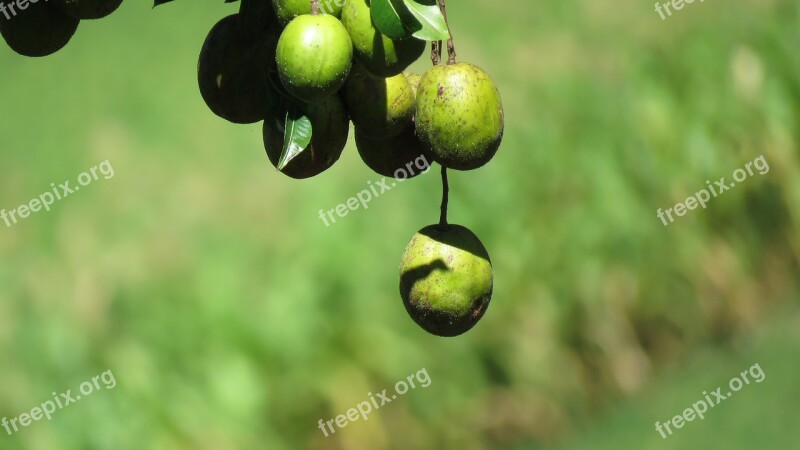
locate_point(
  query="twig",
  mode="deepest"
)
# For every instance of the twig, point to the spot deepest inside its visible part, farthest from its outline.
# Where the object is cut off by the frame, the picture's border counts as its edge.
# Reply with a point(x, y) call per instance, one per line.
point(451, 48)
point(445, 195)
point(436, 52)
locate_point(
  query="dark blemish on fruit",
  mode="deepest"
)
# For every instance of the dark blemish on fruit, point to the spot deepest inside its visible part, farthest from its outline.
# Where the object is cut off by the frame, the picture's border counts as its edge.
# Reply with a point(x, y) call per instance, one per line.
point(477, 307)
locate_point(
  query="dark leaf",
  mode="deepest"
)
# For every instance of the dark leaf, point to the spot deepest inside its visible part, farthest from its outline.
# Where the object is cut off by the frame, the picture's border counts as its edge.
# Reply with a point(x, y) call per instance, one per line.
point(390, 16)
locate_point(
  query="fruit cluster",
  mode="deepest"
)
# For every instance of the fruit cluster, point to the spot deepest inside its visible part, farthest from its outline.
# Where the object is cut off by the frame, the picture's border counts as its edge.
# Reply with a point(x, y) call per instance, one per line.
point(307, 75)
point(307, 72)
point(43, 27)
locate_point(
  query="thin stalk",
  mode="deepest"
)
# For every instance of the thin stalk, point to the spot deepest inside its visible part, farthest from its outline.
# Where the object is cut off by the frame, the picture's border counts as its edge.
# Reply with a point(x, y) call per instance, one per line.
point(436, 52)
point(445, 196)
point(451, 48)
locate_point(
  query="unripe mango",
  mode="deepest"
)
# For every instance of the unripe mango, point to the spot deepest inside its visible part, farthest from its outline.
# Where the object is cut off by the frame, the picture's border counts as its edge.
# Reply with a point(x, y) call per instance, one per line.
point(40, 30)
point(379, 54)
point(314, 56)
point(459, 115)
point(232, 73)
point(446, 279)
point(381, 108)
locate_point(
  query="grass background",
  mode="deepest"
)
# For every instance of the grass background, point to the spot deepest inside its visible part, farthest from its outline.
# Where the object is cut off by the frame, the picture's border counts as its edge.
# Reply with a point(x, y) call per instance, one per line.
point(232, 318)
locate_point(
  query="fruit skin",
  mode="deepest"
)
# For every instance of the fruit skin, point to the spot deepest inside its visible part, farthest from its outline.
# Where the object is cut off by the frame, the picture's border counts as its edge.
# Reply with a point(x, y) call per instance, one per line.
point(314, 57)
point(381, 108)
point(232, 73)
point(459, 115)
point(413, 81)
point(87, 9)
point(446, 279)
point(39, 30)
point(287, 10)
point(386, 157)
point(379, 54)
point(330, 126)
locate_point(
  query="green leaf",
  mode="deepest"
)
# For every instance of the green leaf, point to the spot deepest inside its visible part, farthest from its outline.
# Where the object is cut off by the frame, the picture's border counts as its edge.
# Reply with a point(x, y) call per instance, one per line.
point(389, 17)
point(430, 24)
point(296, 136)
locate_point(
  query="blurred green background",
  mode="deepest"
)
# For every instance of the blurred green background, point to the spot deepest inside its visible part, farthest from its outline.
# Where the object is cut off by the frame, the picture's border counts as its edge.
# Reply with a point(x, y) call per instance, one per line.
point(232, 318)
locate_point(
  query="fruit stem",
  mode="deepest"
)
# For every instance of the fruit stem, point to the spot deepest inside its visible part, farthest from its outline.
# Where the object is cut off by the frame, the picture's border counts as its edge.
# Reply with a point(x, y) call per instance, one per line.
point(451, 48)
point(445, 195)
point(436, 52)
point(314, 7)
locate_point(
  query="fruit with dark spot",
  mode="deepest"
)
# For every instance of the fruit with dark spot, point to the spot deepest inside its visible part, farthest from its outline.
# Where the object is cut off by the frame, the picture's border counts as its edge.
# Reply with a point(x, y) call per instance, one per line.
point(330, 127)
point(289, 9)
point(381, 108)
point(459, 115)
point(232, 73)
point(401, 157)
point(379, 54)
point(446, 279)
point(314, 57)
point(87, 9)
point(40, 30)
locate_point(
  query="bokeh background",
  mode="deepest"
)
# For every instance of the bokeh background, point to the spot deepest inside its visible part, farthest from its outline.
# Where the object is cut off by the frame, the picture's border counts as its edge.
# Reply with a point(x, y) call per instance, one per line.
point(232, 318)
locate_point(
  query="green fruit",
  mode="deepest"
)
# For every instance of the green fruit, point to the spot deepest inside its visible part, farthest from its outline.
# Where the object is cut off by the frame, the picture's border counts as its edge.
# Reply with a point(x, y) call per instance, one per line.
point(330, 127)
point(413, 80)
point(381, 108)
point(459, 115)
point(40, 30)
point(400, 157)
point(446, 279)
point(232, 73)
point(289, 9)
point(379, 54)
point(87, 9)
point(314, 57)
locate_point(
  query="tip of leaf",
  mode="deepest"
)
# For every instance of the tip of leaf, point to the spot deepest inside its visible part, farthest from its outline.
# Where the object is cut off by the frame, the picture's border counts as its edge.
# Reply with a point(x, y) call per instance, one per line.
point(288, 155)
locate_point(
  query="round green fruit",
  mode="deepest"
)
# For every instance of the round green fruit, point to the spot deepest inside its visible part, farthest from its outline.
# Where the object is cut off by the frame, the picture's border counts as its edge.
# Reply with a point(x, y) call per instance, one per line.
point(400, 157)
point(379, 54)
point(446, 279)
point(314, 57)
point(289, 9)
point(459, 115)
point(381, 108)
point(232, 73)
point(40, 30)
point(330, 127)
point(87, 9)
